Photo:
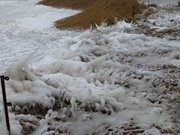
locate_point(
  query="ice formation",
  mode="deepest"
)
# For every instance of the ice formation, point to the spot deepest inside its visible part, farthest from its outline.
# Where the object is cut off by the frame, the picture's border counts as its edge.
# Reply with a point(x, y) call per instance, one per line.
point(111, 80)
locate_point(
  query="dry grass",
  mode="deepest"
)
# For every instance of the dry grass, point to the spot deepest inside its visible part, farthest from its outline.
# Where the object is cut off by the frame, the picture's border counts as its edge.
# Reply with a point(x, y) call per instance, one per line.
point(73, 4)
point(96, 12)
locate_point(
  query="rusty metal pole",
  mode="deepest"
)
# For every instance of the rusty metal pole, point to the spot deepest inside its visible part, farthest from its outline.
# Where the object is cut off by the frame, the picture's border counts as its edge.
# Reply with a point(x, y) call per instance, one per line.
point(3, 78)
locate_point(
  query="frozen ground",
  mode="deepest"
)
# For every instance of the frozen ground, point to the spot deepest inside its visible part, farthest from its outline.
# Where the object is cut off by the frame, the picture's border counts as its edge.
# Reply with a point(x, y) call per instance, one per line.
point(162, 23)
point(106, 81)
point(161, 3)
point(26, 27)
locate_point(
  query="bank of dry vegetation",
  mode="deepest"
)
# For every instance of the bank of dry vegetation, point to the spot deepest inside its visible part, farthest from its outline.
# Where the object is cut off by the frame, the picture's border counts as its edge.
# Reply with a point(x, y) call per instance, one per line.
point(96, 11)
point(72, 4)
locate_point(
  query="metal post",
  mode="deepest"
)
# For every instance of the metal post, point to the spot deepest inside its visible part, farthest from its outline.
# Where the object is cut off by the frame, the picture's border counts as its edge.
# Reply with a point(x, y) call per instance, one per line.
point(3, 78)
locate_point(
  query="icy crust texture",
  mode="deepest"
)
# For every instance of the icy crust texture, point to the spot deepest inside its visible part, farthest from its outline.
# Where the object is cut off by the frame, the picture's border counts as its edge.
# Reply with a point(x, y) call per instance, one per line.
point(111, 81)
point(164, 23)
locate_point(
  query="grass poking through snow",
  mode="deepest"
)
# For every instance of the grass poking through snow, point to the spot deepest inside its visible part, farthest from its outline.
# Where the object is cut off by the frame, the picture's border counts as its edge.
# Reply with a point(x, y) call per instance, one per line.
point(96, 12)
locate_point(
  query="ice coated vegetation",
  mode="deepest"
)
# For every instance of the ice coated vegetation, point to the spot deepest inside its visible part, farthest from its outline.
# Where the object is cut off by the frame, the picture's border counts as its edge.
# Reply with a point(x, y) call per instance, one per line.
point(113, 80)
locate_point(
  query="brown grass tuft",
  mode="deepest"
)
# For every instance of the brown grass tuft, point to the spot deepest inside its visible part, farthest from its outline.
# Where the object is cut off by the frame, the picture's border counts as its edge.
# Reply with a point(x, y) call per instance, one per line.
point(97, 11)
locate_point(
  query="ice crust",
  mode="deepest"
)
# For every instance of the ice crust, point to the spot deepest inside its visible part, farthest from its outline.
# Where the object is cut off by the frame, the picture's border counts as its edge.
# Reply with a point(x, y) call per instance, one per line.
point(83, 82)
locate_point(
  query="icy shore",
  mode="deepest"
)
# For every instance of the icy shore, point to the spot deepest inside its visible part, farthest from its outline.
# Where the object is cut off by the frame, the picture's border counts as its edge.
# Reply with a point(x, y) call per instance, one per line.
point(107, 81)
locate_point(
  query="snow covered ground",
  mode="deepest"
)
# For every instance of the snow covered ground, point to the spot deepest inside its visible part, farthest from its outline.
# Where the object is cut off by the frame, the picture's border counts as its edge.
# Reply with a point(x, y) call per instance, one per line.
point(26, 27)
point(162, 3)
point(107, 81)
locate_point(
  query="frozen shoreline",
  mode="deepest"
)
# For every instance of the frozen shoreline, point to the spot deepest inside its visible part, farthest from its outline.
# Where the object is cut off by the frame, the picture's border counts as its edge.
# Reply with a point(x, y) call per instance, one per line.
point(85, 82)
point(23, 32)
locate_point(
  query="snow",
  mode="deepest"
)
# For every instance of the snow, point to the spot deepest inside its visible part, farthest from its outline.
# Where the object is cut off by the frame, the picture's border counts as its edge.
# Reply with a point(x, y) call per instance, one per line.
point(81, 82)
point(29, 30)
point(164, 3)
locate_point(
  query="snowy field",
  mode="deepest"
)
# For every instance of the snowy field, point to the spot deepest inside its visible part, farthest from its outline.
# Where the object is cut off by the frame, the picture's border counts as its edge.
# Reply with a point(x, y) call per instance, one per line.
point(113, 80)
point(26, 27)
point(162, 3)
